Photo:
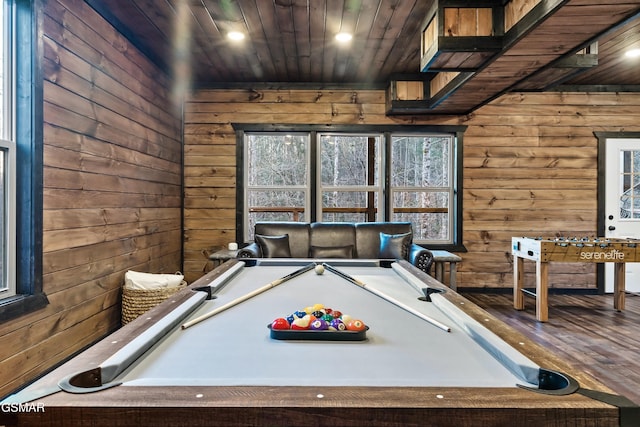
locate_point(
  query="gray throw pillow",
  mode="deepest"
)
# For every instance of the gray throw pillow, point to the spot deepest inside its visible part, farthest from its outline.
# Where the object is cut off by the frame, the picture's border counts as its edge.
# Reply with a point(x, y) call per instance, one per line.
point(274, 246)
point(395, 246)
point(331, 252)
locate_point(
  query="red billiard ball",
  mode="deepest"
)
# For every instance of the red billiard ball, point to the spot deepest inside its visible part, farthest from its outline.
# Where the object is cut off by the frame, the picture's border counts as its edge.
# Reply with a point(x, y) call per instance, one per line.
point(280, 323)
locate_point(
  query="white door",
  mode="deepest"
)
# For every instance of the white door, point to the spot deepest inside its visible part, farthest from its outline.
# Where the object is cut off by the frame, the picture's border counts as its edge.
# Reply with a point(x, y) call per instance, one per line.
point(622, 201)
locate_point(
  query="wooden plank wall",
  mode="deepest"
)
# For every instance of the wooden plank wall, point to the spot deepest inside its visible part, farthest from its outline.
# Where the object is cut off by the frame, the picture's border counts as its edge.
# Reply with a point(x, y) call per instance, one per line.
point(112, 187)
point(530, 167)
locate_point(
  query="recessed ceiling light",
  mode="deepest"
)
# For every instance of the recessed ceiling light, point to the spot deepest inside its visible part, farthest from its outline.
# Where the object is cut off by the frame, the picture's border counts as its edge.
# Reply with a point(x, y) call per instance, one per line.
point(343, 37)
point(633, 53)
point(235, 35)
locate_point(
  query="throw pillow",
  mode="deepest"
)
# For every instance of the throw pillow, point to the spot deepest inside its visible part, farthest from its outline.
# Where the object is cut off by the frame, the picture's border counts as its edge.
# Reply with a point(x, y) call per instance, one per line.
point(274, 246)
point(332, 252)
point(395, 246)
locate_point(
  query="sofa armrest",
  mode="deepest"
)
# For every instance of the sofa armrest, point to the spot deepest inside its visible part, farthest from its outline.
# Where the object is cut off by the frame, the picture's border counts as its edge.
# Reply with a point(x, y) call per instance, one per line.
point(420, 257)
point(250, 251)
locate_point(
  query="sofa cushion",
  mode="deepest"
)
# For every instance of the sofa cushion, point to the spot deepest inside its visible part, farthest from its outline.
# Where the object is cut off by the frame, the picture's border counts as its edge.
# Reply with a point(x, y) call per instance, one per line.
point(298, 235)
point(329, 234)
point(394, 246)
point(331, 251)
point(368, 236)
point(274, 246)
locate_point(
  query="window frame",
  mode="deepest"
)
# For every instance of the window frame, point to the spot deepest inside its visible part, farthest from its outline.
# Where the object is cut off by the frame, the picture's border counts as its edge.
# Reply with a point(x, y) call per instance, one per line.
point(456, 244)
point(8, 147)
point(28, 132)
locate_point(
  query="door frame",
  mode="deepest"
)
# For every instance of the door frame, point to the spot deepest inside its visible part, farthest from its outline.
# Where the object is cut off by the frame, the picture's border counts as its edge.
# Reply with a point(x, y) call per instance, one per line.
point(602, 164)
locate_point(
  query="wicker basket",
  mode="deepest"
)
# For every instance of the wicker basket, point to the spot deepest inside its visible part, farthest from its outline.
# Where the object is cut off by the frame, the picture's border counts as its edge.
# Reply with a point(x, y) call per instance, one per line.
point(136, 302)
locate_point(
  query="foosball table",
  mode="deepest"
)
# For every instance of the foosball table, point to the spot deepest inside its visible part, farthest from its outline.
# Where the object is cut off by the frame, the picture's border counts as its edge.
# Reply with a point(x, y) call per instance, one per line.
point(591, 250)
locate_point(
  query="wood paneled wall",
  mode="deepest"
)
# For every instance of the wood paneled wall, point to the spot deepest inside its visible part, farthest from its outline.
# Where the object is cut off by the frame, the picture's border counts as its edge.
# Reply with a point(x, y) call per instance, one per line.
point(530, 167)
point(112, 187)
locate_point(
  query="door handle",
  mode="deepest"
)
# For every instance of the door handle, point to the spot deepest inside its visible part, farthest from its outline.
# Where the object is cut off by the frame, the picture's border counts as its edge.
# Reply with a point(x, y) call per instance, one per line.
point(611, 228)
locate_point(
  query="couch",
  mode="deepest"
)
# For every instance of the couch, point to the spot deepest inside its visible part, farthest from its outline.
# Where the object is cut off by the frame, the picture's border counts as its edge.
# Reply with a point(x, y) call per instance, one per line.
point(319, 240)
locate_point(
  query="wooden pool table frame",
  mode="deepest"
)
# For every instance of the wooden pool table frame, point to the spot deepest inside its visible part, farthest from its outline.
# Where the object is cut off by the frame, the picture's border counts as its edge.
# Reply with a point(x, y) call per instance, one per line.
point(309, 406)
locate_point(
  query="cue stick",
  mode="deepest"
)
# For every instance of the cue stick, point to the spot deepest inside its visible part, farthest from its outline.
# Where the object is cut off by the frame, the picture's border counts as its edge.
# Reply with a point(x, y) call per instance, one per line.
point(249, 295)
point(382, 295)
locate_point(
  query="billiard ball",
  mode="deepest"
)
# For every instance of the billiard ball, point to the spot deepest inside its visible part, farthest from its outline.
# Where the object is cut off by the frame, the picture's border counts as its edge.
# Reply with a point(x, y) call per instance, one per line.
point(319, 325)
point(319, 269)
point(355, 325)
point(337, 325)
point(302, 323)
point(280, 323)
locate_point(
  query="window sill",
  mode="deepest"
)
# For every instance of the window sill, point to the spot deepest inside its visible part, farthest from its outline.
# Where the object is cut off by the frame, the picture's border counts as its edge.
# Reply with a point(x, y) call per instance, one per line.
point(19, 305)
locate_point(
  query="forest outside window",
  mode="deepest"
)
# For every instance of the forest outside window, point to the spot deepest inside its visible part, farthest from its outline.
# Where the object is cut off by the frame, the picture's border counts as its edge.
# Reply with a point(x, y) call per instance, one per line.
point(346, 176)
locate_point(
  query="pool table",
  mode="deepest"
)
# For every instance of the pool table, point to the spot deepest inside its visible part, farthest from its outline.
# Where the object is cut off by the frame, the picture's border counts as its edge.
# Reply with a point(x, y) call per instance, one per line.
point(428, 357)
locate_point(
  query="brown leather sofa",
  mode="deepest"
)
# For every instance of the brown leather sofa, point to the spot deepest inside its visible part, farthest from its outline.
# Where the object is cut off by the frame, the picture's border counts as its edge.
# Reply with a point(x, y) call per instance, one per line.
point(364, 240)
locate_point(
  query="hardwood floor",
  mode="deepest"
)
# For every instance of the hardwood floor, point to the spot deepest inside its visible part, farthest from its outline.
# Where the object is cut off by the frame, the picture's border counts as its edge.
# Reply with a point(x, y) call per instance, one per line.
point(583, 329)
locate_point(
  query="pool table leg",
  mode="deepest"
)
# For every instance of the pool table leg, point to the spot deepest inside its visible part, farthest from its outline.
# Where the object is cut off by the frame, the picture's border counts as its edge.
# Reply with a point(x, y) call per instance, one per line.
point(618, 285)
point(542, 291)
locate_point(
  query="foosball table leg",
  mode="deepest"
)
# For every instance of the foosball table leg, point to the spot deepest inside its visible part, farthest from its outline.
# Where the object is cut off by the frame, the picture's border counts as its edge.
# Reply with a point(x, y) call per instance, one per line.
point(542, 291)
point(518, 283)
point(618, 285)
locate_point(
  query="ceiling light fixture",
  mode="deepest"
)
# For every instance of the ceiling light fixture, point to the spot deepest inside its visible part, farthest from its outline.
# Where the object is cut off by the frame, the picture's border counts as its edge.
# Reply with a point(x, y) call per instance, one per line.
point(633, 53)
point(235, 35)
point(343, 37)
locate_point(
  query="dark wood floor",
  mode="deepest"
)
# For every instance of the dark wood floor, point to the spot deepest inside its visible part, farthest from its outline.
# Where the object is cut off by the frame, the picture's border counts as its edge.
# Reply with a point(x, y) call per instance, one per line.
point(583, 329)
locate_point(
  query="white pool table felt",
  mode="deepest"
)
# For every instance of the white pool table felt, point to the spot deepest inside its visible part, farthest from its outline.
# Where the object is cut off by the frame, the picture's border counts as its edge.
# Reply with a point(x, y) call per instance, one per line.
point(234, 347)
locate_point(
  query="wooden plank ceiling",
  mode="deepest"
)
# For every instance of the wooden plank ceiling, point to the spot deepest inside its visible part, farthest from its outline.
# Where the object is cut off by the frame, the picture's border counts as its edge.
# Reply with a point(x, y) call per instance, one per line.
point(292, 41)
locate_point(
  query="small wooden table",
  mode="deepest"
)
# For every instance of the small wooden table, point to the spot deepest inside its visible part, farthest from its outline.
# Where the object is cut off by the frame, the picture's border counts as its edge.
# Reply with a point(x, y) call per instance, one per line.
point(543, 251)
point(440, 258)
point(223, 255)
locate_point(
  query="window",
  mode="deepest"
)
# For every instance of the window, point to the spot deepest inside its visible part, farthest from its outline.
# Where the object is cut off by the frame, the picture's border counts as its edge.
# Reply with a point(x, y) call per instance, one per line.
point(7, 156)
point(20, 159)
point(422, 185)
point(349, 178)
point(278, 179)
point(373, 174)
